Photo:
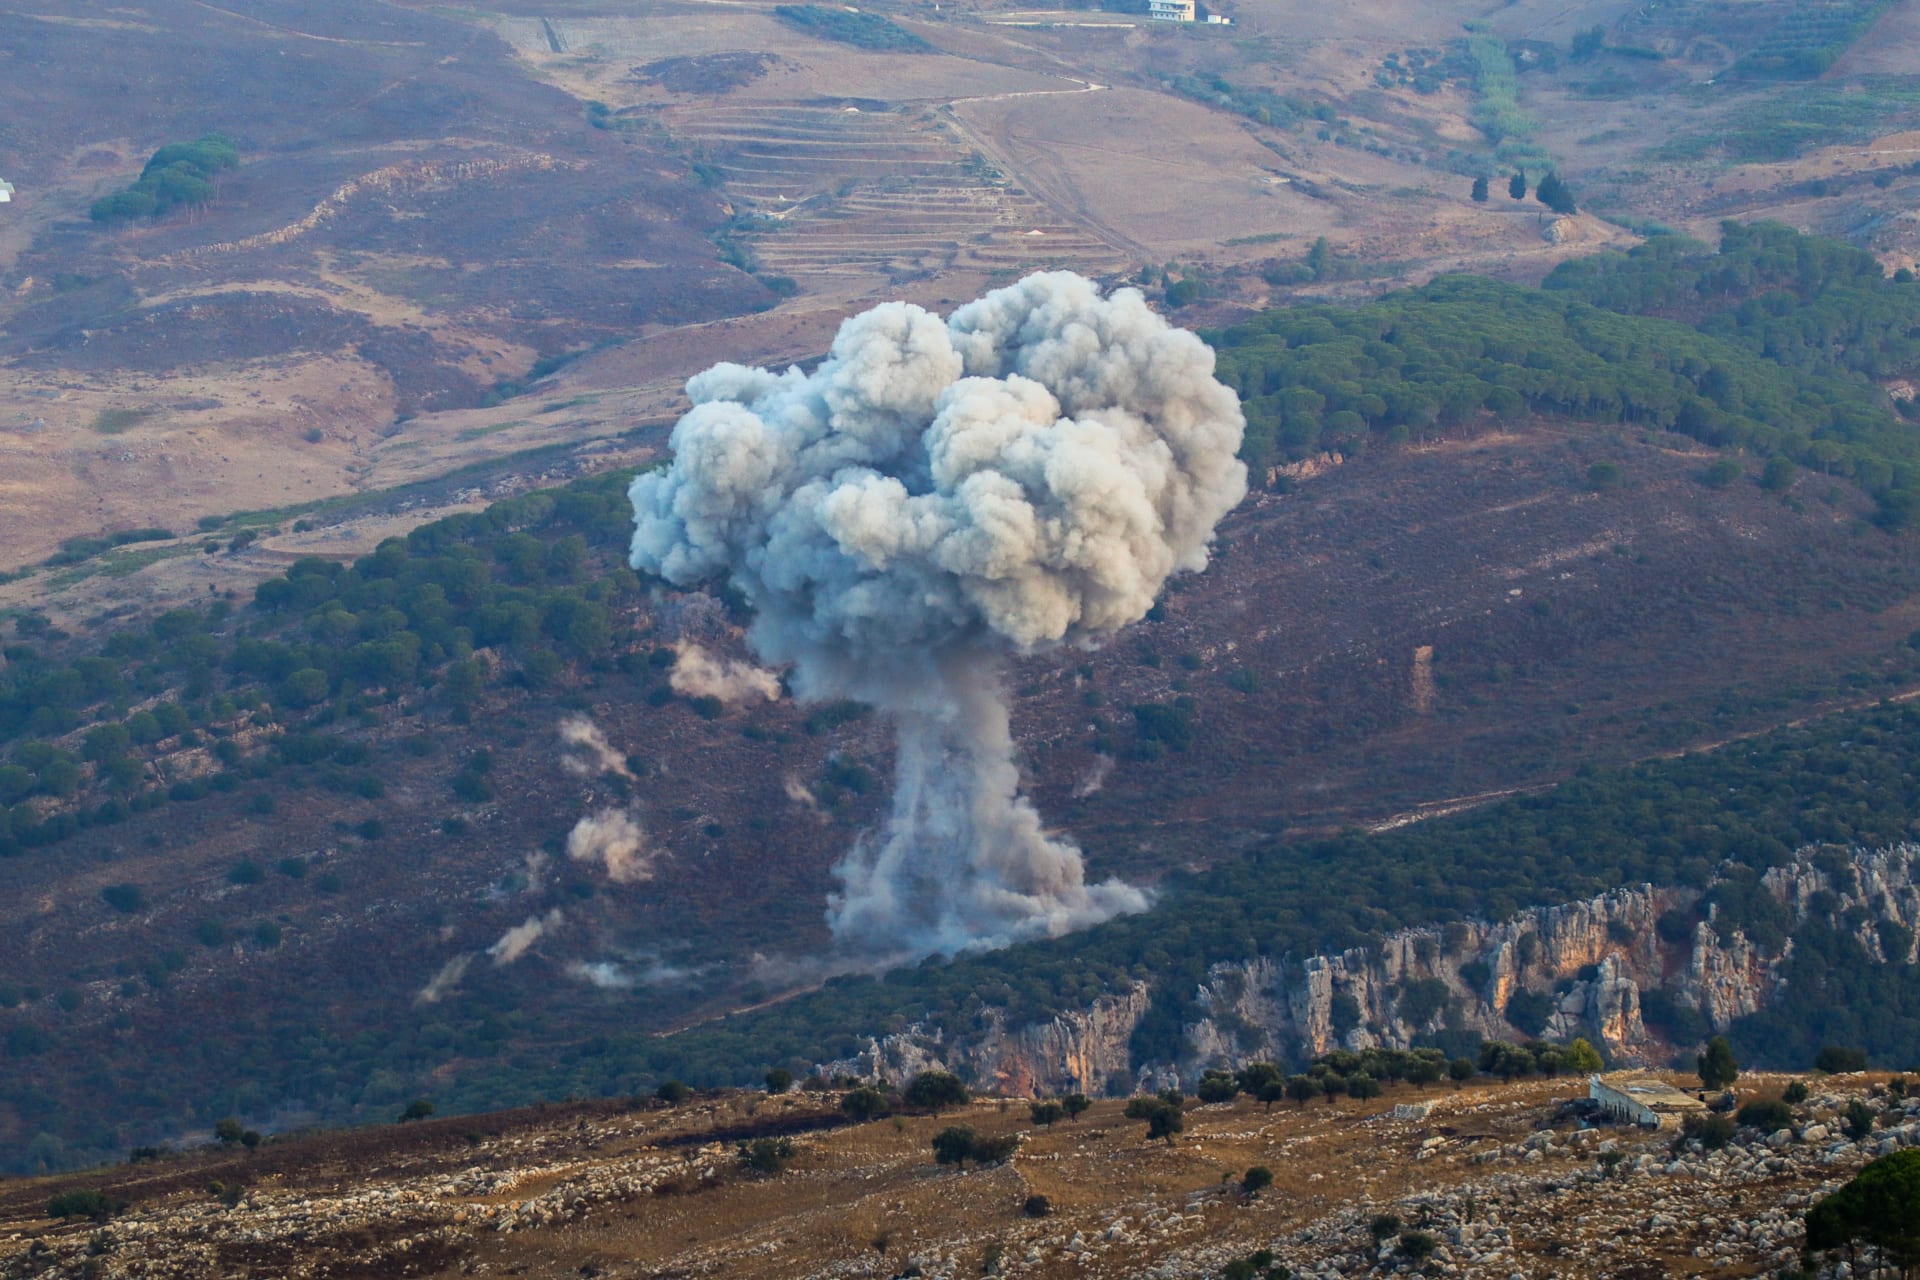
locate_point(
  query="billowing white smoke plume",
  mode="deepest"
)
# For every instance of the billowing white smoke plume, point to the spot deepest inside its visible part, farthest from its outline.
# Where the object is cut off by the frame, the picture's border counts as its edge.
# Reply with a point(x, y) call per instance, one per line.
point(517, 941)
point(936, 495)
point(587, 752)
point(613, 839)
point(698, 674)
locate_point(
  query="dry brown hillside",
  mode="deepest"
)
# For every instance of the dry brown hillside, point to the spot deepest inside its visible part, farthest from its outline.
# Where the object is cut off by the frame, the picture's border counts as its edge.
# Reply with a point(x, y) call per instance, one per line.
point(1496, 1180)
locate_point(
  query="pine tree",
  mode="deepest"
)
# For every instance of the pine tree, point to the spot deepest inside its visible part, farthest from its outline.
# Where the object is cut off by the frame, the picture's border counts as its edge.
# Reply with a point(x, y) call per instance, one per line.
point(1480, 189)
point(1553, 193)
point(1717, 1067)
point(1517, 185)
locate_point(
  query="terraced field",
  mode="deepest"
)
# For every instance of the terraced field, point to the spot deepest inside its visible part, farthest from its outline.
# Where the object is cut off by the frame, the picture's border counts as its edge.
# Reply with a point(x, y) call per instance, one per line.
point(843, 191)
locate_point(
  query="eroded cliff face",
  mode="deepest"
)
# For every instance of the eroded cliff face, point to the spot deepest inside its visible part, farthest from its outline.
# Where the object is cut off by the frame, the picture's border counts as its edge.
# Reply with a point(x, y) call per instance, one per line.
point(1577, 969)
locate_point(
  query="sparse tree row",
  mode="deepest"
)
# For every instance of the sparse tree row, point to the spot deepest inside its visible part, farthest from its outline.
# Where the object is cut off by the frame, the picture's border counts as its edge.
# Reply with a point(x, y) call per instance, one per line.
point(1772, 346)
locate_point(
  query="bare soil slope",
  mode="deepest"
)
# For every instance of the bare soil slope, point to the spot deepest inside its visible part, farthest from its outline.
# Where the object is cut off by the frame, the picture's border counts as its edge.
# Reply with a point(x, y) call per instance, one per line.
point(1497, 1180)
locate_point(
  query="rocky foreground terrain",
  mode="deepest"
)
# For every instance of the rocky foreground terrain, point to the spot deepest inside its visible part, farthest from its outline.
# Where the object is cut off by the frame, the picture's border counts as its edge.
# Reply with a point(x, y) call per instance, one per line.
point(1503, 1180)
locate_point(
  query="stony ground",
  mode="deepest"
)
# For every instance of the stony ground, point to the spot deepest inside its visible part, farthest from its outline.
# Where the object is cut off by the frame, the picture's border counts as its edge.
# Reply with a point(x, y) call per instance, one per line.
point(1504, 1180)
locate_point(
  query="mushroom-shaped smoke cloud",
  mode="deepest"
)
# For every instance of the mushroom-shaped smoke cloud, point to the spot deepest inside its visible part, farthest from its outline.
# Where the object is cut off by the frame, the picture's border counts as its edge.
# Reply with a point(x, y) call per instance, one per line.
point(1025, 475)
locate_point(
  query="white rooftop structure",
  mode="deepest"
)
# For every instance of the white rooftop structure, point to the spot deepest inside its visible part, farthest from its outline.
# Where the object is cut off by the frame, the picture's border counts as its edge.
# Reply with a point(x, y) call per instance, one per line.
point(6, 191)
point(1170, 10)
point(1641, 1100)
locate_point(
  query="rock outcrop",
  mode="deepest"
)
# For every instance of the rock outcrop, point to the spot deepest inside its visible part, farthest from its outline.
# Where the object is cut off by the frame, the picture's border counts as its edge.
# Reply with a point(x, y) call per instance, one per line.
point(1577, 969)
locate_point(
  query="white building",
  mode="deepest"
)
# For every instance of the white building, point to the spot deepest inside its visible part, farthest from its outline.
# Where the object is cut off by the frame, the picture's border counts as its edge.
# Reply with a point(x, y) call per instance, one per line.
point(1170, 10)
point(6, 191)
point(1642, 1100)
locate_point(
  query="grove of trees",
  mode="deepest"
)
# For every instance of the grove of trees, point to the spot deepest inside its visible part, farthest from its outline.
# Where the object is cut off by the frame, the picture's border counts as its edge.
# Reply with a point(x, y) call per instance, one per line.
point(1774, 344)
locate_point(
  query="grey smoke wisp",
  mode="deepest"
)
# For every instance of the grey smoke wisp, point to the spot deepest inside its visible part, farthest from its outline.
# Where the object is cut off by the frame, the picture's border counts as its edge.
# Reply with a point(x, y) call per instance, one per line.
point(936, 496)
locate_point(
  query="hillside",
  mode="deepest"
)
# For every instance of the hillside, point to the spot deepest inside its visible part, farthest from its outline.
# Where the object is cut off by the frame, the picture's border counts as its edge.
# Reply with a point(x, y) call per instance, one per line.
point(1495, 1179)
point(423, 868)
point(454, 236)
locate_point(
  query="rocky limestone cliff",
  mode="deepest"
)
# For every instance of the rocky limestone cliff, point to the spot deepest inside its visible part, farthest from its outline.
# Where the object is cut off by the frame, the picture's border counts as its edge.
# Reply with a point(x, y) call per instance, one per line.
point(1577, 969)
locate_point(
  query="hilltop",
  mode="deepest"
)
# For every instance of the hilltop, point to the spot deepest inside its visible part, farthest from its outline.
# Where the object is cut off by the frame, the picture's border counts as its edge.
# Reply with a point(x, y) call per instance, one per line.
point(1495, 1180)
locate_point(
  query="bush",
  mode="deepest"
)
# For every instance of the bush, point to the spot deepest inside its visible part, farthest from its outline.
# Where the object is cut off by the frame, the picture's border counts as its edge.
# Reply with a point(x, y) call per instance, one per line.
point(1417, 1246)
point(954, 1145)
point(1836, 1061)
point(87, 1203)
point(1796, 1093)
point(124, 898)
point(1217, 1086)
point(865, 1103)
point(1036, 1206)
point(672, 1092)
point(1712, 1132)
point(1255, 1180)
point(779, 1080)
point(1858, 1120)
point(765, 1155)
point(935, 1091)
point(1768, 1115)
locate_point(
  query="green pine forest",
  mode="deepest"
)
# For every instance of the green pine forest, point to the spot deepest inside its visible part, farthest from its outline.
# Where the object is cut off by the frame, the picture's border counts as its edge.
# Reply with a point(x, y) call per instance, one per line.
point(1770, 346)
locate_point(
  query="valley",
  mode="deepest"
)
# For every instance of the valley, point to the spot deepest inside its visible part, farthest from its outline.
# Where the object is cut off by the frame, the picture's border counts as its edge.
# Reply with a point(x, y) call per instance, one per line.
point(448, 301)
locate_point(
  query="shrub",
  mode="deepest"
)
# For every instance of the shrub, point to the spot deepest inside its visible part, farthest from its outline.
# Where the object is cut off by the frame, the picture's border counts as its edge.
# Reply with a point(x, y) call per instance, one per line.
point(1858, 1120)
point(1835, 1060)
point(865, 1103)
point(954, 1145)
point(87, 1203)
point(935, 1091)
point(1769, 1115)
point(1712, 1132)
point(124, 898)
point(765, 1155)
point(672, 1092)
point(1417, 1246)
point(1720, 473)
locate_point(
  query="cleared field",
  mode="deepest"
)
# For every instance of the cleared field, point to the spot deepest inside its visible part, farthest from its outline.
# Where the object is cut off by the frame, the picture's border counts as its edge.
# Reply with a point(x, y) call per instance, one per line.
point(856, 192)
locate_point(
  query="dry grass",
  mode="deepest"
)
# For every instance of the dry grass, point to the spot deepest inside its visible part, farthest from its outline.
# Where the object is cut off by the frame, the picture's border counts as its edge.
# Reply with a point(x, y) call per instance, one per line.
point(868, 1199)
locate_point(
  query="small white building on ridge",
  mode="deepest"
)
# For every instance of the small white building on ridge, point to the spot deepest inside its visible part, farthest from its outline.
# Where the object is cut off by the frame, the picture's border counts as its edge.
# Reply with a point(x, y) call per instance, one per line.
point(6, 191)
point(1642, 1100)
point(1170, 10)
